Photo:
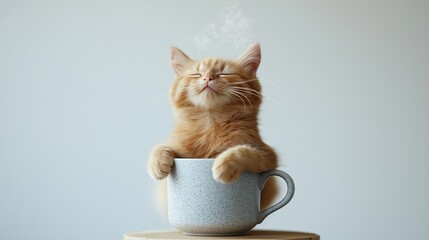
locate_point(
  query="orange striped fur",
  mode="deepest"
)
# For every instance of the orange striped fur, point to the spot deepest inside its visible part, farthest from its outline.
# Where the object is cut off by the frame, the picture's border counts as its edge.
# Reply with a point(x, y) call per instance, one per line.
point(216, 104)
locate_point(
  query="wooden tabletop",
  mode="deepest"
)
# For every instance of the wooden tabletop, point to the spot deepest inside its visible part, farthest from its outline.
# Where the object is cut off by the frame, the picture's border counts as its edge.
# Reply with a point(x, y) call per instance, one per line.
point(254, 234)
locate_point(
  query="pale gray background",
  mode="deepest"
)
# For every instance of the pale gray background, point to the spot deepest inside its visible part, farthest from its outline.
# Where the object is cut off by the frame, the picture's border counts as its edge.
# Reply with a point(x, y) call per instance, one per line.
point(83, 98)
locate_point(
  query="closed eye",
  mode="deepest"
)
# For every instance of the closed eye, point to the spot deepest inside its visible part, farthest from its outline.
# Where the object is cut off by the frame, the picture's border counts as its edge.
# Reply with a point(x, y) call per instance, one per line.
point(194, 75)
point(226, 74)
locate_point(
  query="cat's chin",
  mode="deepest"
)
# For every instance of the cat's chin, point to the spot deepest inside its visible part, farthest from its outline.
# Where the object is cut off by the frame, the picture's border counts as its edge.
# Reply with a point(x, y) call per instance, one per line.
point(209, 98)
point(208, 90)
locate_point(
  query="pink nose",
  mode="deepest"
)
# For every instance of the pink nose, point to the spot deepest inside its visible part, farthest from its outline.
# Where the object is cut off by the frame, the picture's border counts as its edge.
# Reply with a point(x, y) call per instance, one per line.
point(208, 78)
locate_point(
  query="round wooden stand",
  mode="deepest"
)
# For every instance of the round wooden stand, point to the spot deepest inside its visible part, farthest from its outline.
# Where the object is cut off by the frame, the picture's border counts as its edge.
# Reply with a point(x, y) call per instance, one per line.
point(255, 234)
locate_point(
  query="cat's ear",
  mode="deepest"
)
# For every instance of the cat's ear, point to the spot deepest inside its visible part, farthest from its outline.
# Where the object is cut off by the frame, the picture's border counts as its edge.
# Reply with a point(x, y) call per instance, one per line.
point(251, 58)
point(179, 60)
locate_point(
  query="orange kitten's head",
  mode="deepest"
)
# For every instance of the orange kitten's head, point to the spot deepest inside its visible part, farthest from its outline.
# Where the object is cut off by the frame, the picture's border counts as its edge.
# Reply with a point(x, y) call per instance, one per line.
point(213, 82)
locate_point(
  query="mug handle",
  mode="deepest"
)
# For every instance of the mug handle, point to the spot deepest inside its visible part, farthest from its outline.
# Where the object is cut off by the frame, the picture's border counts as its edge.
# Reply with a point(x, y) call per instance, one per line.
point(290, 191)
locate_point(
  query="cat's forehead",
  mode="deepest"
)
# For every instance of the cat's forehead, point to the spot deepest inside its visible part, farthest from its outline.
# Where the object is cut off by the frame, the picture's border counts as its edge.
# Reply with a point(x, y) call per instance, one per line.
point(214, 64)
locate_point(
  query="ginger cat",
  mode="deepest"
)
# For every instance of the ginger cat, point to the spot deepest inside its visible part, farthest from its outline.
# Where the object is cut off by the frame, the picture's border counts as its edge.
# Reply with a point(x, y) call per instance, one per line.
point(216, 104)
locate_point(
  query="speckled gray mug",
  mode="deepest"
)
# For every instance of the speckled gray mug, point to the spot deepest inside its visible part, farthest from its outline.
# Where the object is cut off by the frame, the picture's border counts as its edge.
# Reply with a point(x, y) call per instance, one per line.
point(198, 205)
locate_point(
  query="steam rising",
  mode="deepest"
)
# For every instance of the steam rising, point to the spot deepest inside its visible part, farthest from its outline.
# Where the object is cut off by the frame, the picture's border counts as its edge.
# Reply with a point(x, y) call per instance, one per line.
point(230, 31)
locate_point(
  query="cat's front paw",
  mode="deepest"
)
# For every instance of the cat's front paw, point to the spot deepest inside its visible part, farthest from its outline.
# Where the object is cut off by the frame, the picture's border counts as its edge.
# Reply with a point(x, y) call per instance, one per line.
point(227, 167)
point(160, 162)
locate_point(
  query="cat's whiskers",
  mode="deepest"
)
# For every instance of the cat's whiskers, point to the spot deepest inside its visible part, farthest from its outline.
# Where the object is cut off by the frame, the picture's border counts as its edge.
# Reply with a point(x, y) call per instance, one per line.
point(243, 95)
point(254, 92)
point(256, 79)
point(241, 82)
point(237, 95)
point(229, 91)
point(249, 91)
point(270, 82)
